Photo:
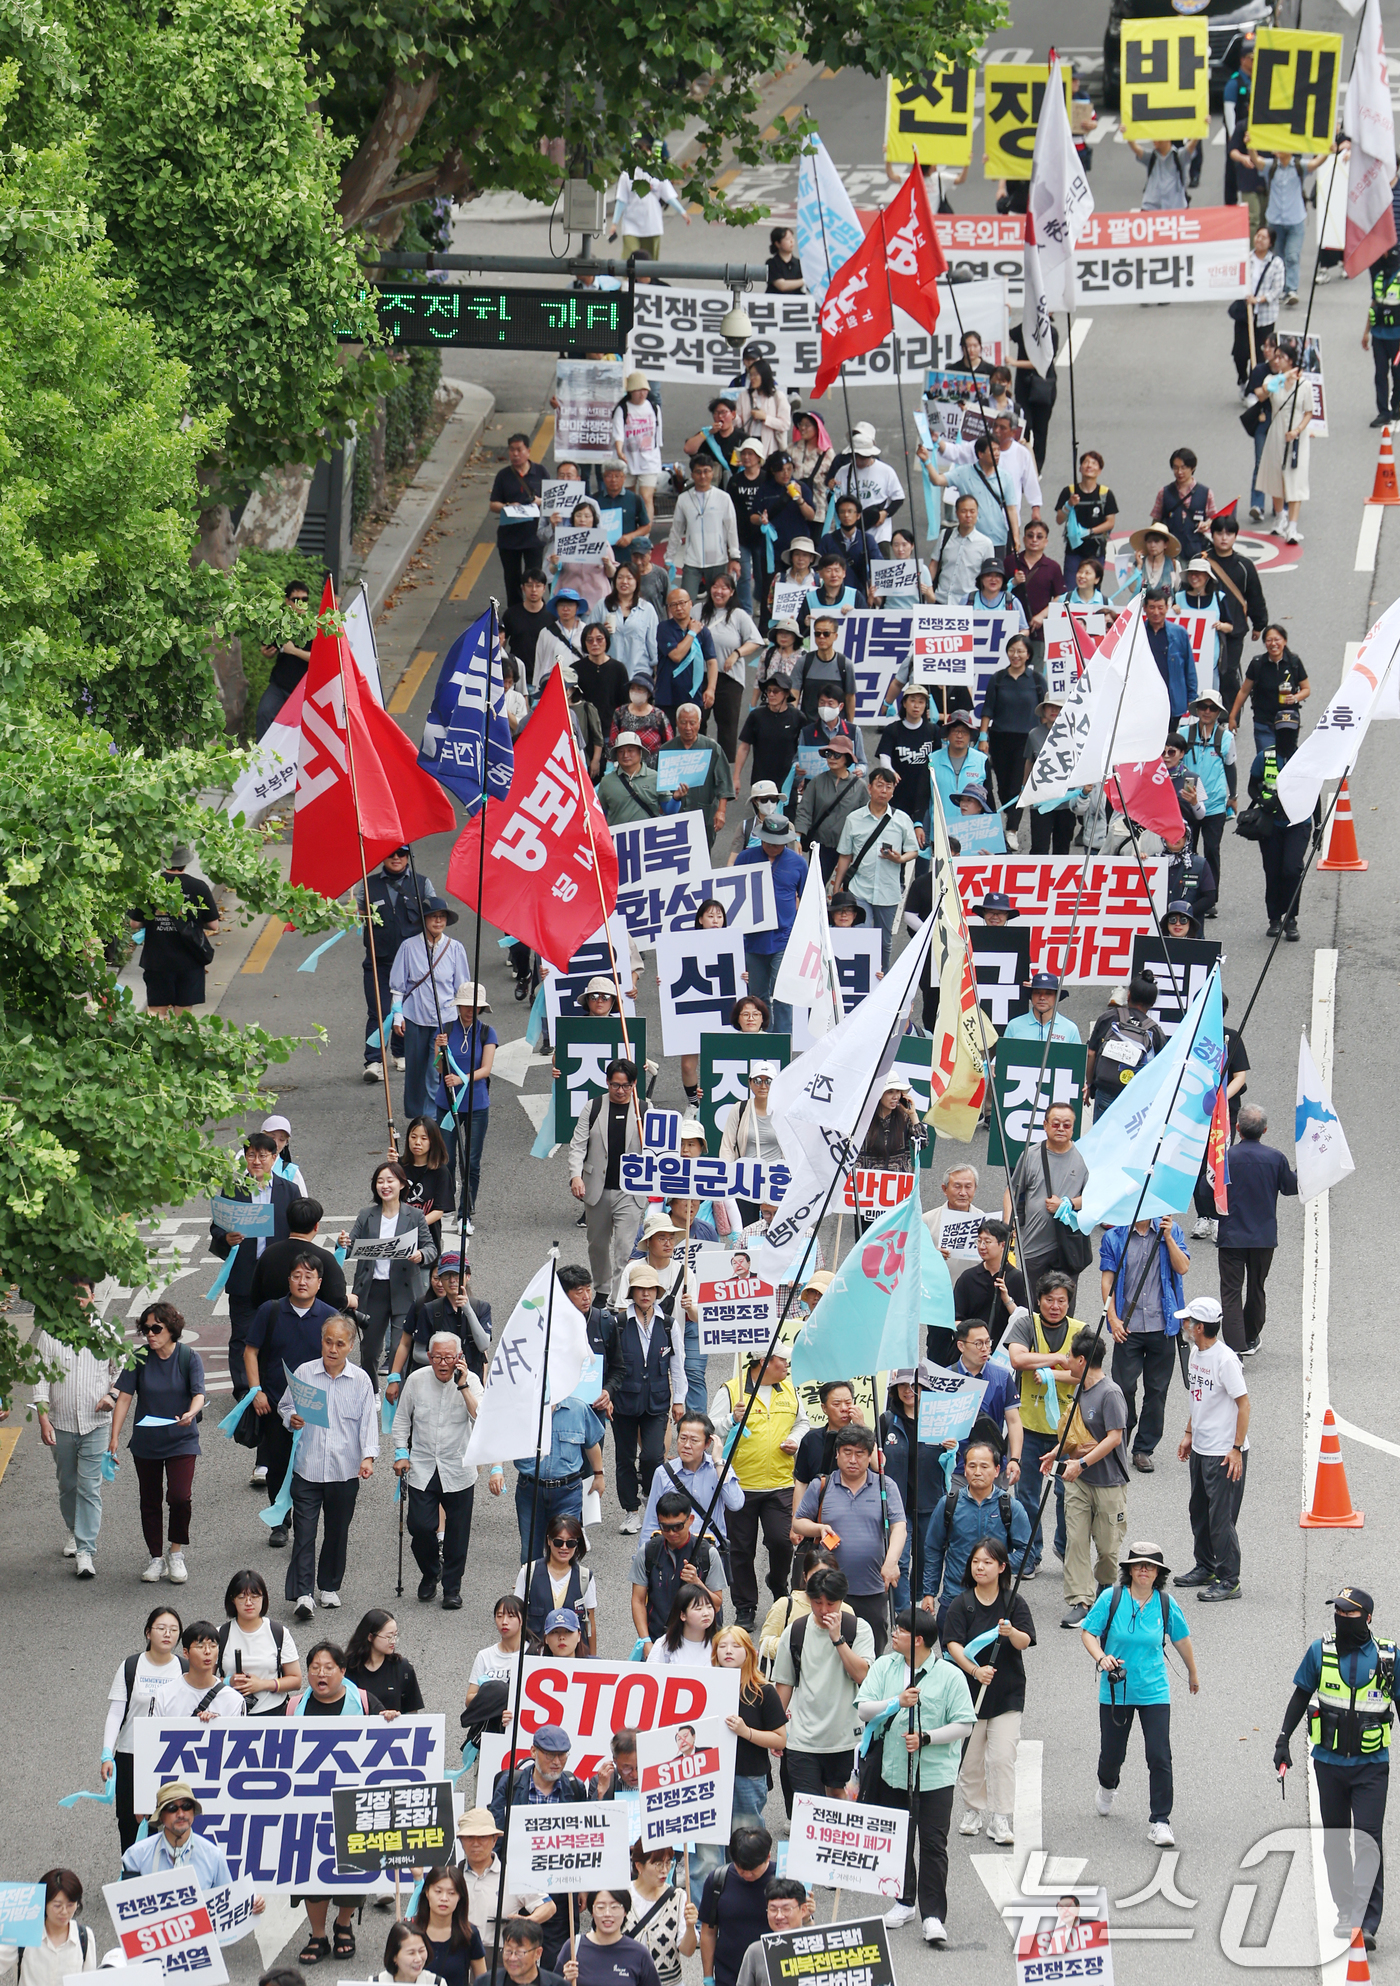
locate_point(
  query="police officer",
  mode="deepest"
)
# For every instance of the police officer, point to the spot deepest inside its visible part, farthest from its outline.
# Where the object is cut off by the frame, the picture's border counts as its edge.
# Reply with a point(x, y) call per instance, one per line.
point(1346, 1684)
point(1382, 336)
point(392, 894)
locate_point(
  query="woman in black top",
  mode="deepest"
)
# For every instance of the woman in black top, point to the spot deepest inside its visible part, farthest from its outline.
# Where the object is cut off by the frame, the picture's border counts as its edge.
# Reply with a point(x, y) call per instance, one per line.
point(520, 483)
point(372, 1663)
point(988, 1775)
point(429, 1187)
point(444, 1918)
point(1013, 697)
point(1096, 510)
point(289, 662)
point(601, 677)
point(1277, 685)
point(759, 1727)
point(894, 1131)
point(784, 268)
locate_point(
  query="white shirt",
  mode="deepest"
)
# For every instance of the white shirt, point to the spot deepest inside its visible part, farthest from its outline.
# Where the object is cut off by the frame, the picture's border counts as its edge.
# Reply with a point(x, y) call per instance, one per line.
point(641, 213)
point(704, 530)
point(482, 1892)
point(388, 1228)
point(47, 1964)
point(876, 483)
point(1214, 1382)
point(148, 1692)
point(434, 1420)
point(180, 1699)
point(256, 1654)
point(262, 1197)
point(689, 1655)
point(71, 1401)
point(494, 1665)
point(334, 1454)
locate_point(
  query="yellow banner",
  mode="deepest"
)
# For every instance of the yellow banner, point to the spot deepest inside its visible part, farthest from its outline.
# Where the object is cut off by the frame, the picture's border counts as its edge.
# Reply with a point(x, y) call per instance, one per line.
point(930, 118)
point(1293, 99)
point(1166, 79)
point(962, 1036)
point(1012, 93)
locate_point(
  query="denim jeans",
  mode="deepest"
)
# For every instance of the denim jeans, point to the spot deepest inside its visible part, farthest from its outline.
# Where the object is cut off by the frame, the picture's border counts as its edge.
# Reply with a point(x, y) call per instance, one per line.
point(1257, 499)
point(762, 968)
point(881, 915)
point(1288, 243)
point(750, 1797)
point(417, 1057)
point(562, 1500)
point(1031, 1487)
point(78, 1460)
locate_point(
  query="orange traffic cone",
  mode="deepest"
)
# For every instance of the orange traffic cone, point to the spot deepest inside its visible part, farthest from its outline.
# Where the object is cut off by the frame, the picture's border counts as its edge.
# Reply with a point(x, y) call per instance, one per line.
point(1341, 851)
point(1357, 1968)
point(1385, 488)
point(1331, 1499)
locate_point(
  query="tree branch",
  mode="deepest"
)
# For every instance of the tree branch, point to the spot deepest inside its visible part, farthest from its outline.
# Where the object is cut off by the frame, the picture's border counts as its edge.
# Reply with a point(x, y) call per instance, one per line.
point(369, 175)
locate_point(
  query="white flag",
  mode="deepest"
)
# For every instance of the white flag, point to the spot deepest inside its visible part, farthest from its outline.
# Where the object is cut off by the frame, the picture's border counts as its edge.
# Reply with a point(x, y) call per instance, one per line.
point(1131, 708)
point(1369, 121)
point(828, 229)
point(271, 772)
point(1058, 210)
point(1323, 1159)
point(1368, 689)
point(807, 976)
point(510, 1407)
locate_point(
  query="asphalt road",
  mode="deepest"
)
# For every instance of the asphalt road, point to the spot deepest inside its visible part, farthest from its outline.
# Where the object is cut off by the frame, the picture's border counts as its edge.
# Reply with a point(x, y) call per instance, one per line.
point(1145, 383)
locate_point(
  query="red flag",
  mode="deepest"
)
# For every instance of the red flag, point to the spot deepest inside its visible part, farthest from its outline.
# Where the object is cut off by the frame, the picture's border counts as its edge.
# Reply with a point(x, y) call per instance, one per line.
point(856, 315)
point(539, 880)
point(913, 257)
point(343, 729)
point(1218, 1152)
point(1145, 792)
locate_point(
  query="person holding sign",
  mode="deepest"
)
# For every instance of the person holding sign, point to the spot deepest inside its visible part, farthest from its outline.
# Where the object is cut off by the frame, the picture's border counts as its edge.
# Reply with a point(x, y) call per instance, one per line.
point(65, 1947)
point(172, 1843)
point(923, 1714)
point(329, 1465)
point(387, 1284)
point(515, 500)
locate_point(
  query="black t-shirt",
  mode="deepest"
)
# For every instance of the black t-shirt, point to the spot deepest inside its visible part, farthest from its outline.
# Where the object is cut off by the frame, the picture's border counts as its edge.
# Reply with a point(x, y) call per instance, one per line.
point(275, 1265)
point(764, 1714)
point(1134, 1029)
point(772, 736)
point(517, 534)
point(429, 1188)
point(315, 1708)
point(625, 1962)
point(165, 948)
point(618, 1114)
point(451, 1961)
point(909, 751)
point(749, 496)
point(393, 1683)
point(1236, 1064)
point(1091, 510)
point(975, 1295)
point(523, 630)
point(287, 670)
point(816, 1454)
point(740, 1913)
point(967, 1618)
point(1267, 679)
point(784, 272)
point(604, 686)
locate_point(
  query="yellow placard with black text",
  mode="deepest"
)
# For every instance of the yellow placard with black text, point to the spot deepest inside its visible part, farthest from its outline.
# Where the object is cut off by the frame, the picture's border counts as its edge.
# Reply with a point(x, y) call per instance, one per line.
point(1293, 98)
point(930, 117)
point(1012, 96)
point(1166, 80)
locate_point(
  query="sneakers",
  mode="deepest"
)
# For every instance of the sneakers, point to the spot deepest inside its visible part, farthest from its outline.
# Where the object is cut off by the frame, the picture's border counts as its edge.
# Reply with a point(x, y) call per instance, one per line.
point(469, 1225)
point(1202, 1230)
point(999, 1830)
point(1159, 1833)
point(1104, 1796)
point(1290, 930)
point(1256, 515)
point(374, 1072)
point(1251, 1348)
point(176, 1571)
point(901, 1913)
point(258, 1479)
point(70, 1549)
point(1220, 1589)
point(305, 1607)
point(971, 1822)
point(1290, 301)
point(1275, 929)
point(934, 1933)
point(154, 1571)
point(85, 1568)
point(1072, 1616)
point(631, 1524)
point(399, 1063)
point(1199, 1575)
point(329, 1599)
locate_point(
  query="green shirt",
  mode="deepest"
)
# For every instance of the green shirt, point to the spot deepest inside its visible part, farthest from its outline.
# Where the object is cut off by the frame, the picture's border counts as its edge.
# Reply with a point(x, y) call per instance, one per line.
point(877, 881)
point(944, 1698)
point(617, 803)
point(822, 1713)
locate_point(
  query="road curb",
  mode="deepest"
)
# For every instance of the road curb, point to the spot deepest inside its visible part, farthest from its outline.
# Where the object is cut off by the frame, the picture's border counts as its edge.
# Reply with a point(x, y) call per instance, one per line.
point(417, 507)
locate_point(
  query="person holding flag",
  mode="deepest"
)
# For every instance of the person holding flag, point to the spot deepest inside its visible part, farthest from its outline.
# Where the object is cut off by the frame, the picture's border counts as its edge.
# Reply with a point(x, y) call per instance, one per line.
point(1059, 207)
point(896, 266)
point(466, 743)
point(466, 1051)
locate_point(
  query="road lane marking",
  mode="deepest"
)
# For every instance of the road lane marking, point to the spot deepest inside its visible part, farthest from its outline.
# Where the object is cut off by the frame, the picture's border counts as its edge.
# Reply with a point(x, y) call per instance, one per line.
point(471, 571)
point(411, 681)
point(1368, 538)
point(264, 945)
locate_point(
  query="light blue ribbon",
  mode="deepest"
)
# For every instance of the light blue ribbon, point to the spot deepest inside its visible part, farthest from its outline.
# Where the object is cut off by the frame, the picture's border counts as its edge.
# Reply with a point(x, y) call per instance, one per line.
point(378, 1037)
point(980, 1641)
point(216, 1288)
point(534, 1027)
point(310, 964)
point(933, 505)
point(104, 1799)
point(276, 1514)
point(387, 1409)
point(339, 1254)
point(545, 1139)
point(230, 1421)
point(466, 1765)
point(137, 938)
point(1052, 1395)
point(947, 1460)
point(109, 1467)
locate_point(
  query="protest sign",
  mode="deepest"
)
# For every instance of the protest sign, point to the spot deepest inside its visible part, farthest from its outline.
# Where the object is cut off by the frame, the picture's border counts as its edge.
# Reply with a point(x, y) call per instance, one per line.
point(894, 575)
point(21, 1913)
point(701, 975)
point(163, 1917)
point(958, 1234)
point(877, 644)
point(1165, 89)
point(1199, 628)
point(393, 1247)
point(944, 647)
point(562, 1849)
point(242, 1217)
point(1001, 960)
point(231, 1910)
point(587, 390)
point(265, 1786)
point(977, 834)
point(561, 499)
point(1311, 366)
point(669, 848)
point(563, 991)
point(309, 1399)
point(580, 545)
point(788, 596)
point(738, 1309)
point(930, 117)
point(686, 1778)
point(591, 1700)
point(1113, 908)
point(1161, 255)
point(393, 1827)
point(746, 895)
point(725, 1060)
point(676, 769)
point(582, 1052)
point(875, 1189)
point(1181, 968)
point(843, 1846)
point(854, 1952)
point(857, 951)
point(1019, 1113)
point(948, 1405)
point(1293, 98)
point(1062, 1939)
point(666, 1175)
point(590, 1381)
point(1013, 93)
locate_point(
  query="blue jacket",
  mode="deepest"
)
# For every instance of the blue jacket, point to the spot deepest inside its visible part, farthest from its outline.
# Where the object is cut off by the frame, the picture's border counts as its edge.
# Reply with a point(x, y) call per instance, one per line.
point(789, 875)
point(1176, 666)
point(947, 1549)
point(1258, 1174)
point(859, 555)
point(1113, 1250)
point(1207, 762)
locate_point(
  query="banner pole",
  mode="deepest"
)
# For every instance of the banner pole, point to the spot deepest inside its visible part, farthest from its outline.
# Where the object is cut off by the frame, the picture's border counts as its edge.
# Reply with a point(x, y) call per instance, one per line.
point(340, 648)
point(899, 395)
point(476, 1031)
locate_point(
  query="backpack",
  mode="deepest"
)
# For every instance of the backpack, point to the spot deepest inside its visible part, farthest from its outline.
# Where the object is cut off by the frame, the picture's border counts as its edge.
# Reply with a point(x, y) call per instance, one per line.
point(1134, 1028)
point(656, 1544)
point(279, 1635)
point(129, 1668)
point(950, 1504)
point(84, 1938)
point(798, 1635)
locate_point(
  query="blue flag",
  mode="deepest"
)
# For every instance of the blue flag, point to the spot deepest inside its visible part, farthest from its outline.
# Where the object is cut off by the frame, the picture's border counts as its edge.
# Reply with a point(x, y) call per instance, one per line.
point(455, 733)
point(868, 1321)
point(1172, 1101)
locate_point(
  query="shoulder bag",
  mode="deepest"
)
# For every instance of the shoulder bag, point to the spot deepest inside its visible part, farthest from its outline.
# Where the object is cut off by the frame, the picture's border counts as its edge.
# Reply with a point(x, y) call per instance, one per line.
point(1073, 1251)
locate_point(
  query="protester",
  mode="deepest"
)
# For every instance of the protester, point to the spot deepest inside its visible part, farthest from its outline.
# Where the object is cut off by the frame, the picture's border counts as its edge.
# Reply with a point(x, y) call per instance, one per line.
point(443, 1917)
point(868, 1516)
point(1126, 1632)
point(480, 1871)
point(1216, 1444)
point(387, 1286)
point(670, 1562)
point(137, 1691)
point(436, 1414)
point(1040, 1344)
point(168, 1390)
point(282, 1335)
point(522, 1949)
point(829, 800)
point(985, 1608)
point(959, 1520)
point(876, 845)
point(556, 1498)
point(1276, 684)
point(711, 795)
point(65, 1946)
point(515, 501)
point(1248, 1235)
point(763, 1463)
point(257, 1653)
point(176, 950)
point(763, 950)
point(821, 1662)
point(595, 1157)
point(649, 1381)
point(1045, 1175)
point(543, 1781)
point(173, 1843)
point(328, 1466)
point(1141, 1270)
point(560, 1581)
point(1042, 1023)
point(272, 1275)
point(989, 1291)
point(733, 1905)
point(999, 1415)
point(661, 1919)
point(74, 1412)
point(693, 1473)
point(1094, 1474)
point(1122, 1042)
point(1088, 513)
point(263, 1189)
point(428, 968)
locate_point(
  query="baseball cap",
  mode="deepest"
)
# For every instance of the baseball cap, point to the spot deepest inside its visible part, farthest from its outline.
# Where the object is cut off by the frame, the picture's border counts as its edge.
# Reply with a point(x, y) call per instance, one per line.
point(561, 1617)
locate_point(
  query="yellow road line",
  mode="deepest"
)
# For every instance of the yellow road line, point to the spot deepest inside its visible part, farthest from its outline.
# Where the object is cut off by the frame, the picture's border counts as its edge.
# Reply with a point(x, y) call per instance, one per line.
point(544, 435)
point(411, 681)
point(264, 945)
point(471, 571)
point(9, 1438)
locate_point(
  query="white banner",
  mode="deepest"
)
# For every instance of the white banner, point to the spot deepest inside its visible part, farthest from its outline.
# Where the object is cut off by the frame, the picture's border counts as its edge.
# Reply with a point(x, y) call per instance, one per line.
point(894, 575)
point(701, 975)
point(1113, 908)
point(163, 1917)
point(231, 1910)
point(560, 1849)
point(662, 850)
point(686, 1778)
point(591, 1700)
point(857, 952)
point(738, 1309)
point(746, 893)
point(560, 499)
point(842, 1846)
point(563, 991)
point(510, 1405)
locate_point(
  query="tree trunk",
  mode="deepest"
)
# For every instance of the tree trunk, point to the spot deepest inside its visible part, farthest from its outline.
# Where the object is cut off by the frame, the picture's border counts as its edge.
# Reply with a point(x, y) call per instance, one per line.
point(368, 175)
point(216, 548)
point(273, 516)
point(378, 436)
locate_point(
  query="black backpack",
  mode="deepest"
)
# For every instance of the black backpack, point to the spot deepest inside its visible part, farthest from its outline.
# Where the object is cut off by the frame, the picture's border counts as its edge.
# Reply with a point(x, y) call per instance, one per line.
point(798, 1634)
point(129, 1668)
point(279, 1635)
point(950, 1504)
point(1116, 1602)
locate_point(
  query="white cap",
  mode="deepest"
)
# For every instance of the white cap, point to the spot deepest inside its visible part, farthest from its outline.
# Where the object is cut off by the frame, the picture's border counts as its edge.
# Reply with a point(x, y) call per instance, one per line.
point(276, 1124)
point(769, 1069)
point(628, 738)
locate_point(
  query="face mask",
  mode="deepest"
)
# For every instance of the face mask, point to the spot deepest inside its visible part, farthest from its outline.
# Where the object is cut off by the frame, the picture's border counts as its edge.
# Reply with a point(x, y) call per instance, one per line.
point(828, 712)
point(636, 694)
point(1353, 1632)
point(765, 806)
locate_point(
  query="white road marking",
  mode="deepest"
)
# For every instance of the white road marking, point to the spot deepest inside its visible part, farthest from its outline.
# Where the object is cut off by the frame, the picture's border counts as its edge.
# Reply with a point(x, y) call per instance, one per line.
point(1369, 537)
point(1083, 326)
point(1105, 128)
point(1360, 1434)
point(515, 1060)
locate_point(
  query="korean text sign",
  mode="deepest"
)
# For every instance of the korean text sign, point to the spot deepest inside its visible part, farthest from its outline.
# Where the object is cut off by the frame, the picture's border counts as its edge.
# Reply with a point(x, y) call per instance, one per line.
point(855, 1952)
point(163, 1917)
point(1019, 1116)
point(582, 1052)
point(1113, 908)
point(686, 1777)
point(393, 1827)
point(738, 1309)
point(847, 1847)
point(568, 1848)
point(592, 1700)
point(930, 117)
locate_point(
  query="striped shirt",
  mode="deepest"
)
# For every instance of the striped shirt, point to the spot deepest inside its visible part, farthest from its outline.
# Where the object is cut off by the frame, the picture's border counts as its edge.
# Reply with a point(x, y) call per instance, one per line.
point(71, 1402)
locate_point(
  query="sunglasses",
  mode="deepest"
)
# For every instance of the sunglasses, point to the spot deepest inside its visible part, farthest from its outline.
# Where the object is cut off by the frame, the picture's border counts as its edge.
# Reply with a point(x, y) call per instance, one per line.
point(564, 1544)
point(178, 1807)
point(149, 1330)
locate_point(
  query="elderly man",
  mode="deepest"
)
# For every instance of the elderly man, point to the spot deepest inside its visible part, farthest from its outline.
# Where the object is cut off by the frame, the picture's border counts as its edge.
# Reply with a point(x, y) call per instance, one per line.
point(627, 790)
point(608, 1128)
point(427, 970)
point(658, 1242)
point(687, 666)
point(436, 1414)
point(331, 1463)
point(962, 1219)
point(704, 540)
point(1248, 1235)
point(544, 1782)
point(629, 512)
point(709, 796)
point(284, 1334)
point(173, 1844)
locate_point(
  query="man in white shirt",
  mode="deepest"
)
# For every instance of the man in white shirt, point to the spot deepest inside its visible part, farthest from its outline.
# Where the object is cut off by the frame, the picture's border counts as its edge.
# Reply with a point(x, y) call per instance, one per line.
point(436, 1413)
point(329, 1466)
point(201, 1691)
point(638, 207)
point(1216, 1444)
point(872, 481)
point(959, 556)
point(704, 540)
point(960, 1217)
point(75, 1420)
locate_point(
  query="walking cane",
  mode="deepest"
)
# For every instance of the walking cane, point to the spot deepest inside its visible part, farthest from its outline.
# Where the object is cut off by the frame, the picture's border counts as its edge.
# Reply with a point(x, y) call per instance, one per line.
point(398, 1593)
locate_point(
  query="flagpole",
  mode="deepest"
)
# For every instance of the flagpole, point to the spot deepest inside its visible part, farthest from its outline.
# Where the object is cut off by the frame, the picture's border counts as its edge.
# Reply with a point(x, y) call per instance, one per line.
point(340, 648)
point(899, 394)
point(830, 272)
point(986, 417)
point(466, 1156)
point(525, 1605)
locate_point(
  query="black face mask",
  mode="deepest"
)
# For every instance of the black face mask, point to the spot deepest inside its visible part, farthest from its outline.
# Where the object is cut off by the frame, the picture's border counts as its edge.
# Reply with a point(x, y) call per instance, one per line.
point(1353, 1632)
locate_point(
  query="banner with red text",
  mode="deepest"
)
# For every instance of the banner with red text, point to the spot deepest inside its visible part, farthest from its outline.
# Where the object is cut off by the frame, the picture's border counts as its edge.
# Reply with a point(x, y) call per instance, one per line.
point(1185, 255)
point(1113, 908)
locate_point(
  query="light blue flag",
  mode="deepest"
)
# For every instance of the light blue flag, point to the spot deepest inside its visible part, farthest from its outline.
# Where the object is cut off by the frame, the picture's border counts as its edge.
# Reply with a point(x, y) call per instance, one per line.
point(936, 1288)
point(1171, 1101)
point(868, 1321)
point(828, 229)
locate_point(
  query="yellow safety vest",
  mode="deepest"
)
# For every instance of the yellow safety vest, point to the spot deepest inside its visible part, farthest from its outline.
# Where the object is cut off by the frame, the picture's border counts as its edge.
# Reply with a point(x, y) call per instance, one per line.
point(1033, 1415)
point(759, 1461)
point(1353, 1722)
